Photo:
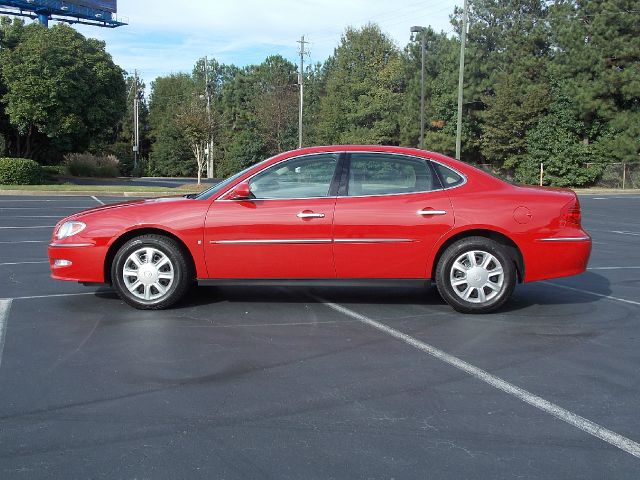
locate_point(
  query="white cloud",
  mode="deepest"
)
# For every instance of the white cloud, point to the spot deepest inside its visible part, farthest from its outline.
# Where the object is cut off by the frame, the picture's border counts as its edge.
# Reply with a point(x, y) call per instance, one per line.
point(162, 38)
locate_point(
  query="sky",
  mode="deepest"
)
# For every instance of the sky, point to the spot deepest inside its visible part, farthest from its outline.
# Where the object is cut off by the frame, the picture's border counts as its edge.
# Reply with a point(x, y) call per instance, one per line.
point(164, 37)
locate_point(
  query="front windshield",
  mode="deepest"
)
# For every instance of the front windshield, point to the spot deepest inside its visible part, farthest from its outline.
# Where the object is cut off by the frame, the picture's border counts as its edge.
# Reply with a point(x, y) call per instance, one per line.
point(218, 187)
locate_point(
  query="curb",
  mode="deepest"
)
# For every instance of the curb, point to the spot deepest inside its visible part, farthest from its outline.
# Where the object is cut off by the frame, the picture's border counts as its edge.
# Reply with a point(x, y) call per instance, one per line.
point(84, 193)
point(607, 191)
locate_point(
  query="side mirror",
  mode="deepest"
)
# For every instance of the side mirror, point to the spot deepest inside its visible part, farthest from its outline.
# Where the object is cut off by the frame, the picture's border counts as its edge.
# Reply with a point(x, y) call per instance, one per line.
point(242, 191)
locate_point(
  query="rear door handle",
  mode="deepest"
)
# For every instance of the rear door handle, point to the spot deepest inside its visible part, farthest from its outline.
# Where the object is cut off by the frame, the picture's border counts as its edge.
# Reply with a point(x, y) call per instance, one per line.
point(310, 215)
point(431, 212)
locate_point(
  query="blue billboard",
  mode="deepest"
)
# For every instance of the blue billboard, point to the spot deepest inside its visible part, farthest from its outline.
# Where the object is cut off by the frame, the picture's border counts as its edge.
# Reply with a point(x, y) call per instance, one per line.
point(101, 13)
point(104, 5)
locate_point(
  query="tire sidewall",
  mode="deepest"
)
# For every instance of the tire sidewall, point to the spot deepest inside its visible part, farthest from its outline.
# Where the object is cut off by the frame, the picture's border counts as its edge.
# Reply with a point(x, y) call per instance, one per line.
point(168, 248)
point(449, 257)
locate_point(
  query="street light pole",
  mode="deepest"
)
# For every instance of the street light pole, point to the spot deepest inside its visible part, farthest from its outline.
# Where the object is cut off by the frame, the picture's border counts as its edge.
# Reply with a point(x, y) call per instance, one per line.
point(421, 31)
point(463, 40)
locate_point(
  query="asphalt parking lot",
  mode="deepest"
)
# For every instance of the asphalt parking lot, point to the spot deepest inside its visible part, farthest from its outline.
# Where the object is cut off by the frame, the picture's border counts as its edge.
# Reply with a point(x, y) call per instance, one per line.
point(308, 383)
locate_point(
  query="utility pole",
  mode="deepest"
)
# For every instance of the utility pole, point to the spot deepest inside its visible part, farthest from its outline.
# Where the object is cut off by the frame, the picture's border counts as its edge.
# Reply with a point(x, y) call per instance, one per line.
point(136, 122)
point(301, 83)
point(207, 93)
point(463, 41)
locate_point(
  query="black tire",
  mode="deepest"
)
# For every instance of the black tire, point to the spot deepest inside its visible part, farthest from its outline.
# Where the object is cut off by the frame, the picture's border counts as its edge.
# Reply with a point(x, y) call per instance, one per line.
point(160, 247)
point(477, 281)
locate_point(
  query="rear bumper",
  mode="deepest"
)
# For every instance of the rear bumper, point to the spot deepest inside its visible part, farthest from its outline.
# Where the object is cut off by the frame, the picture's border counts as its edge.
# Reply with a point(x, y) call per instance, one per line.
point(553, 257)
point(77, 262)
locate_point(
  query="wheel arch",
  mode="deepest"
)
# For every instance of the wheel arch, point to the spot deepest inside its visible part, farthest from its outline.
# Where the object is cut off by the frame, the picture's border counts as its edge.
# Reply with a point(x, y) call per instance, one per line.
point(501, 238)
point(126, 236)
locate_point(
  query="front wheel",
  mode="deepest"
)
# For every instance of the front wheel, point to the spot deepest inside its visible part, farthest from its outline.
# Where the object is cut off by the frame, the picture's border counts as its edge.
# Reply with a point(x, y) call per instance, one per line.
point(475, 275)
point(151, 272)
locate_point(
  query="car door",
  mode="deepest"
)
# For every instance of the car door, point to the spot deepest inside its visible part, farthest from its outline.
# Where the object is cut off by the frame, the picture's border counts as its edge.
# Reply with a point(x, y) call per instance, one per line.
point(388, 217)
point(285, 231)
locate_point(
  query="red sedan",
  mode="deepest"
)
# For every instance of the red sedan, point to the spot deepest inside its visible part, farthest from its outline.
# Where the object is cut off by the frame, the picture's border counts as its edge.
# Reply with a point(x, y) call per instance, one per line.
point(332, 214)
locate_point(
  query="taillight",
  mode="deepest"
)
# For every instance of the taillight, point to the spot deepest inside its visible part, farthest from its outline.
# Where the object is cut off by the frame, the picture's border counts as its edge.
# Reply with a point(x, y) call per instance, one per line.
point(571, 215)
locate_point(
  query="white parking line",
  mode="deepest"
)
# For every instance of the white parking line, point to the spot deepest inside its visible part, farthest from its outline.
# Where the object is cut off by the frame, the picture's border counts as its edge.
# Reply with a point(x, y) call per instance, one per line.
point(292, 324)
point(23, 263)
point(97, 200)
point(40, 208)
point(588, 292)
point(55, 295)
point(625, 197)
point(635, 234)
point(65, 199)
point(5, 307)
point(17, 228)
point(25, 241)
point(613, 268)
point(540, 403)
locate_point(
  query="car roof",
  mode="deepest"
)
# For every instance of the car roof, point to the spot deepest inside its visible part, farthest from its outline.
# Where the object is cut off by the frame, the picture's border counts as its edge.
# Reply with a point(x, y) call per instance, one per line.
point(381, 149)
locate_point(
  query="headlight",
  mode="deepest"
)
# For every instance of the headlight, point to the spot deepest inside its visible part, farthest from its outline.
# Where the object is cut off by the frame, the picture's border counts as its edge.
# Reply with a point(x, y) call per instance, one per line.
point(68, 229)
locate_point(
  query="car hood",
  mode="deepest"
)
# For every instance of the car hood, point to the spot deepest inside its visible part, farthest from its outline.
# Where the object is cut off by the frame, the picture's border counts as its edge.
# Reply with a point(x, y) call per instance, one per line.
point(129, 204)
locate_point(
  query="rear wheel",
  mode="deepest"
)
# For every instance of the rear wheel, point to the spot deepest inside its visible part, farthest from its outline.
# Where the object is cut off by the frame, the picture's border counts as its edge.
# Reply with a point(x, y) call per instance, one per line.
point(476, 275)
point(151, 272)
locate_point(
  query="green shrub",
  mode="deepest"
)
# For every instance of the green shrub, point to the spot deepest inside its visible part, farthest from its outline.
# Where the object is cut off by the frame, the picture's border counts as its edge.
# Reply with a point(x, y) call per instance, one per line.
point(20, 171)
point(87, 165)
point(52, 170)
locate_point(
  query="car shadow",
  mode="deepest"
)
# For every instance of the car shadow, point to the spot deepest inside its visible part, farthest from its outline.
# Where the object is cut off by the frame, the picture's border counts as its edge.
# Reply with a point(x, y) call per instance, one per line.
point(550, 292)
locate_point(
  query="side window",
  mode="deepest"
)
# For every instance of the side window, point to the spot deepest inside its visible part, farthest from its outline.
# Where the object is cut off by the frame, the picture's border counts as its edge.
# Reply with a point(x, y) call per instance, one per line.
point(301, 177)
point(449, 177)
point(383, 174)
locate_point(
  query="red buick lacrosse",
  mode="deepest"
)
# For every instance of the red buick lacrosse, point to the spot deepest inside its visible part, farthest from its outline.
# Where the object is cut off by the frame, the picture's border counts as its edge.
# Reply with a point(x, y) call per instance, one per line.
point(332, 215)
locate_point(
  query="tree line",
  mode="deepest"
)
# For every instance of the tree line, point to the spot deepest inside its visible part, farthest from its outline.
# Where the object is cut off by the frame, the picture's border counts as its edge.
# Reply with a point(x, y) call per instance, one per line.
point(555, 82)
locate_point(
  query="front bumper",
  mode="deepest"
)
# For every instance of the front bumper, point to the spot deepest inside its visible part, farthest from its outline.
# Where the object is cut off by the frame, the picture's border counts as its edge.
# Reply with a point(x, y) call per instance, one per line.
point(77, 262)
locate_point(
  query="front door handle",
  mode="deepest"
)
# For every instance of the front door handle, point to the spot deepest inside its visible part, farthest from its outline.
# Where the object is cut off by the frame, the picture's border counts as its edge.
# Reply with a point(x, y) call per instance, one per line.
point(431, 212)
point(310, 215)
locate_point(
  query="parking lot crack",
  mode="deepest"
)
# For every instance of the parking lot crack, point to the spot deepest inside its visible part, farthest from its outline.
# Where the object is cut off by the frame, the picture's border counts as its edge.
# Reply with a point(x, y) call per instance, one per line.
point(78, 348)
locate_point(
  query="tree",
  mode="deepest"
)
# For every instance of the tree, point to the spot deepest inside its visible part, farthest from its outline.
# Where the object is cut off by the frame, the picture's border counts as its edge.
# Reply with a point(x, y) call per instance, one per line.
point(441, 80)
point(512, 111)
point(195, 125)
point(276, 102)
point(60, 85)
point(364, 85)
point(505, 76)
point(241, 138)
point(555, 141)
point(314, 90)
point(170, 151)
point(596, 45)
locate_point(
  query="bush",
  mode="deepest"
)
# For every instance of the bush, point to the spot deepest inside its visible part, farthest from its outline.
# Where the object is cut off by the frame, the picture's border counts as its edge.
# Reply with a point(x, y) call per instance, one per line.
point(87, 165)
point(20, 171)
point(53, 170)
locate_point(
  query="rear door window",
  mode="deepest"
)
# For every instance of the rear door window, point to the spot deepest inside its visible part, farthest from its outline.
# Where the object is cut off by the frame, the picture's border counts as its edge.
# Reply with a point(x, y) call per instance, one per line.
point(384, 174)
